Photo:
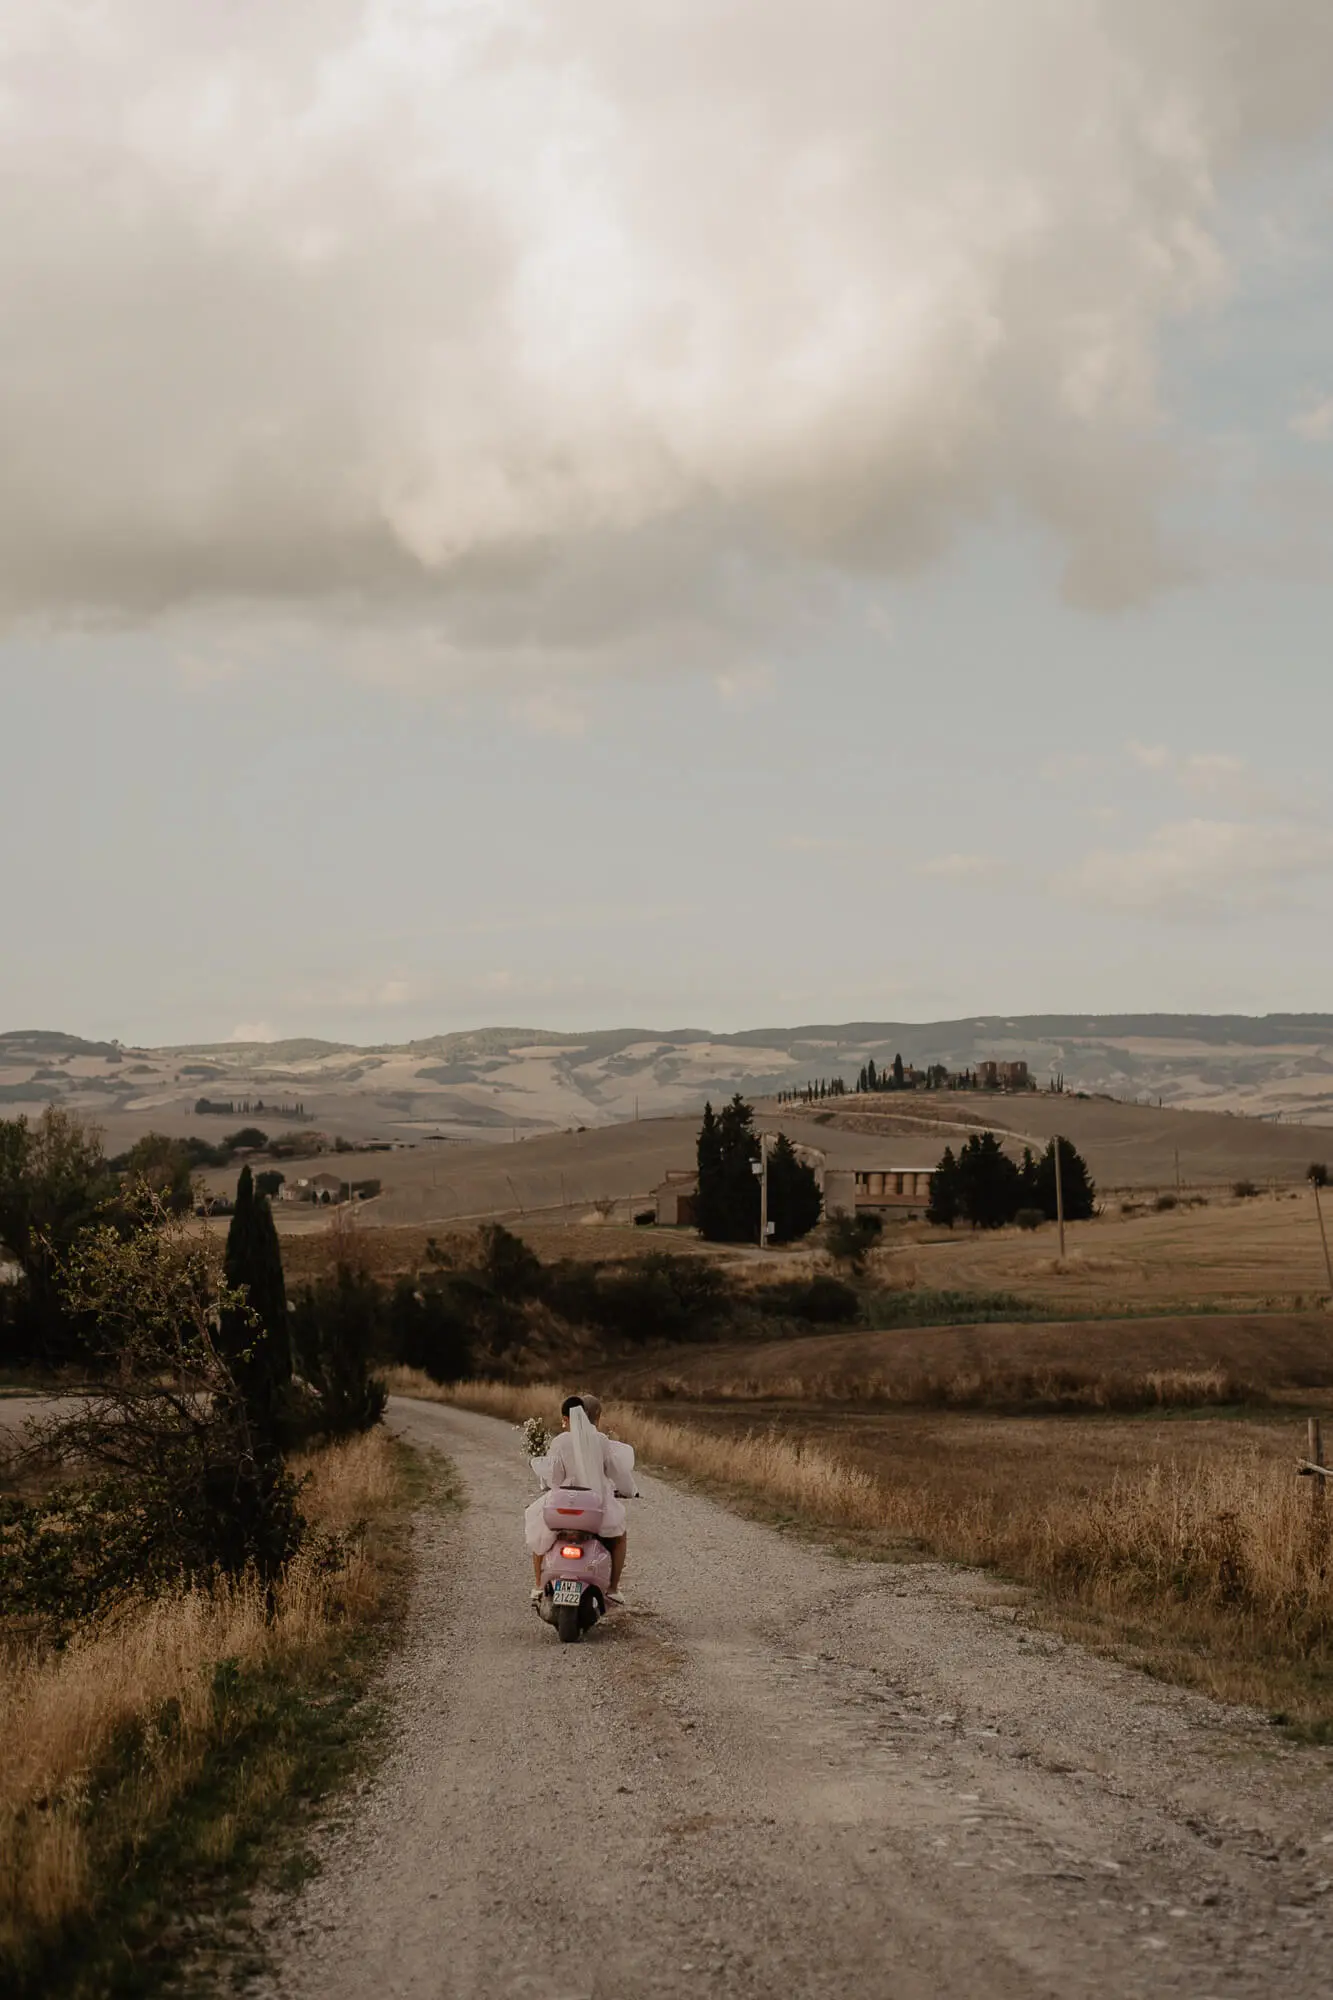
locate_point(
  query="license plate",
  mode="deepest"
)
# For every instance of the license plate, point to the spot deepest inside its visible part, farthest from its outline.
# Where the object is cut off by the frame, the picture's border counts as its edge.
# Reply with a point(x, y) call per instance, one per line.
point(566, 1591)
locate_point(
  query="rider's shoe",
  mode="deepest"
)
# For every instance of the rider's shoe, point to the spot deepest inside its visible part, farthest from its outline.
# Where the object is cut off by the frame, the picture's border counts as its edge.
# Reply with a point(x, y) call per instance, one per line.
point(536, 1596)
point(615, 1597)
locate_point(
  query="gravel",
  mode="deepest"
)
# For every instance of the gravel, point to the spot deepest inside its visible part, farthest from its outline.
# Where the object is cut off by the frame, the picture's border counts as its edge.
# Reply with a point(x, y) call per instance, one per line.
point(782, 1772)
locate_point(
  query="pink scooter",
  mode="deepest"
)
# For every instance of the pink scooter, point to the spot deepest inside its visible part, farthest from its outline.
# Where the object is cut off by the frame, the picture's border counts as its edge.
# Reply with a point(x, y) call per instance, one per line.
point(576, 1572)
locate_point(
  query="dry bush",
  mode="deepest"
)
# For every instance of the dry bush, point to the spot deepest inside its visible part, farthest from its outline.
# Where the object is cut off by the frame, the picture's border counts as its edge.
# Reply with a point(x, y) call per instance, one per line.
point(148, 1671)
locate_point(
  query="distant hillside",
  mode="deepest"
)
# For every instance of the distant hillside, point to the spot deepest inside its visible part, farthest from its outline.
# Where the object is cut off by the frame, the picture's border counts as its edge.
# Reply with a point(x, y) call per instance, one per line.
point(473, 1084)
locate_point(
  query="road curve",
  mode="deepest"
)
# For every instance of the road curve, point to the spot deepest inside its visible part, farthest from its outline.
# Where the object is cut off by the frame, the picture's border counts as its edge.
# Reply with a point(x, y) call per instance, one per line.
point(785, 1773)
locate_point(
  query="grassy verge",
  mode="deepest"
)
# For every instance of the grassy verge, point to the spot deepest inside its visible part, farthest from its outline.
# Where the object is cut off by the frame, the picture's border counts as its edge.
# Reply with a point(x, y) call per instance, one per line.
point(1191, 1551)
point(148, 1768)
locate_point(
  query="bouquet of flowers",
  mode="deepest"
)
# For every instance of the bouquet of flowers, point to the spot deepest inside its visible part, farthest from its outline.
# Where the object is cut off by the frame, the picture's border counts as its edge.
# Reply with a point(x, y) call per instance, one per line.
point(536, 1438)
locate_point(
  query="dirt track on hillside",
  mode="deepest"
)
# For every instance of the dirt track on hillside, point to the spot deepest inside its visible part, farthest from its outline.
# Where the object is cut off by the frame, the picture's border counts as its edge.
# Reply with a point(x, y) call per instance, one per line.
point(784, 1773)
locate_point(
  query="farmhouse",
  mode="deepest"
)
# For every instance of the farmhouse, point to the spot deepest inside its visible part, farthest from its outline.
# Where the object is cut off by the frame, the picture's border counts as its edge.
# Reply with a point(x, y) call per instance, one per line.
point(326, 1189)
point(677, 1199)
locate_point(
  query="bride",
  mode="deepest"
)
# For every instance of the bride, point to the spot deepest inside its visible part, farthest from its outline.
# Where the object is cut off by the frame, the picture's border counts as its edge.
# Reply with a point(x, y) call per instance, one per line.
point(581, 1456)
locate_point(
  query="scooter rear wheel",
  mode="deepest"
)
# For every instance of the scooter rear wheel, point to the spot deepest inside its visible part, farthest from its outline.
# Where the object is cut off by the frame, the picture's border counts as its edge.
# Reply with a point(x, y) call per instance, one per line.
point(567, 1623)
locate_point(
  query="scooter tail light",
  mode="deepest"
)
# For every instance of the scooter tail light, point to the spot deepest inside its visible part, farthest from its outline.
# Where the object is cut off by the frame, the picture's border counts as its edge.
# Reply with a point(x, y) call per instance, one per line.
point(572, 1551)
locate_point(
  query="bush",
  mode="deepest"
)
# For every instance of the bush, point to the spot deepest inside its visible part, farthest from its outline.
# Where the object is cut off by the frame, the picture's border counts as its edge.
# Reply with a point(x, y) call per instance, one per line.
point(1317, 1174)
point(850, 1238)
point(1030, 1218)
point(268, 1183)
point(822, 1300)
point(248, 1140)
point(1244, 1190)
point(336, 1331)
point(658, 1297)
point(1165, 1203)
point(427, 1331)
point(173, 1480)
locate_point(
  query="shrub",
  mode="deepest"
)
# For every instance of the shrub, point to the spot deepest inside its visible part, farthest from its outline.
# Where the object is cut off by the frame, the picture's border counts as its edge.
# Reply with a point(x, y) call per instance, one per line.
point(427, 1331)
point(1244, 1190)
point(248, 1140)
point(335, 1330)
point(1317, 1174)
point(1030, 1218)
point(850, 1238)
point(269, 1182)
point(1165, 1203)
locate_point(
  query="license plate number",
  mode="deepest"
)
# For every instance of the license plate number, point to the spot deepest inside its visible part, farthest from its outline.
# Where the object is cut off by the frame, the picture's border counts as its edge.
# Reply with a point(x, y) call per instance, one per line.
point(566, 1591)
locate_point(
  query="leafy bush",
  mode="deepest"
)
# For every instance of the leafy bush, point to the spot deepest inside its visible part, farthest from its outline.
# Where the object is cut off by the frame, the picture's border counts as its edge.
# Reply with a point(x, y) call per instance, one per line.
point(1244, 1190)
point(1165, 1203)
point(249, 1139)
point(850, 1238)
point(1030, 1218)
point(336, 1329)
point(1317, 1174)
point(882, 1309)
point(170, 1479)
point(427, 1331)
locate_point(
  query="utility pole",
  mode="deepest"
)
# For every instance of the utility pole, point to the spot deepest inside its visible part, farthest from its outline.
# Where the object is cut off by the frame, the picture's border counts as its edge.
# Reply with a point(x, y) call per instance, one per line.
point(1319, 1211)
point(1059, 1197)
point(760, 1167)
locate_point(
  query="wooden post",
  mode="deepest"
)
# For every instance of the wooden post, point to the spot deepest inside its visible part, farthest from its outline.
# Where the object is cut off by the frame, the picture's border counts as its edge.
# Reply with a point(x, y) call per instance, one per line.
point(1328, 1262)
point(1059, 1197)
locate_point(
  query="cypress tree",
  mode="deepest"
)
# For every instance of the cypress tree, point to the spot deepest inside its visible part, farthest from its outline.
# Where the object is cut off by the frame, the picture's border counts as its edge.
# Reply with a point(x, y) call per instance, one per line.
point(794, 1201)
point(897, 1072)
point(260, 1356)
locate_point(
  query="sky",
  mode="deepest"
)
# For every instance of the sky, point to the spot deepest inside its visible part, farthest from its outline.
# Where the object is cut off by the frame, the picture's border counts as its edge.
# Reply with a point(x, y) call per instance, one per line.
point(725, 513)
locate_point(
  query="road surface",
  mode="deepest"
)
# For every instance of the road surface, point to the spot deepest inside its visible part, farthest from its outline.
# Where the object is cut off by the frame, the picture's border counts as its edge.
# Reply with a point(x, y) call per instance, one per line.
point(784, 1773)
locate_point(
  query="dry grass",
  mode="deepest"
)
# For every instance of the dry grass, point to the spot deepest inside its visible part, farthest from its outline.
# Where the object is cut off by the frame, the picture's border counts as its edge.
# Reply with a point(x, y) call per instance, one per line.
point(1187, 1544)
point(1049, 1388)
point(147, 1674)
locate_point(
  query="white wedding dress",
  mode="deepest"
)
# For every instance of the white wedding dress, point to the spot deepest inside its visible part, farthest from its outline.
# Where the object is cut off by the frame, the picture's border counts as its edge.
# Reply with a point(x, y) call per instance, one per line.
point(582, 1457)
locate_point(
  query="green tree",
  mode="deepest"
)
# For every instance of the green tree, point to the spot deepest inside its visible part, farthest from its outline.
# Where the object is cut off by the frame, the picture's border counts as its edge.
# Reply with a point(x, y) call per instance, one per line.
point(851, 1238)
point(794, 1201)
point(945, 1193)
point(257, 1343)
point(898, 1074)
point(54, 1184)
point(336, 1328)
point(990, 1186)
point(872, 1077)
point(165, 1167)
point(728, 1188)
point(269, 1182)
point(1076, 1184)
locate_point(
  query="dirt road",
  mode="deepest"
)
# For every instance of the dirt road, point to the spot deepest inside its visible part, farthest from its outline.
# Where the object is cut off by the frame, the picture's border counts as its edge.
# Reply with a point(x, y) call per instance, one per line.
point(784, 1773)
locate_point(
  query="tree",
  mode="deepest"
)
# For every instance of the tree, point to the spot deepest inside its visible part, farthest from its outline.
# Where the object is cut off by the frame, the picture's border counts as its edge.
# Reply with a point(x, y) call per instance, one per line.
point(54, 1183)
point(872, 1078)
point(269, 1182)
point(1076, 1184)
point(728, 1188)
point(426, 1331)
point(335, 1327)
point(173, 1483)
point(897, 1072)
point(257, 1343)
point(794, 1201)
point(945, 1198)
point(990, 1186)
point(165, 1167)
point(1317, 1174)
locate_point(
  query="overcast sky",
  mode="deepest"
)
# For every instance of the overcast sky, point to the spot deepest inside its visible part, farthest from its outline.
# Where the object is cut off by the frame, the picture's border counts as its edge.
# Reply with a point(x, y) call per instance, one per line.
point(709, 512)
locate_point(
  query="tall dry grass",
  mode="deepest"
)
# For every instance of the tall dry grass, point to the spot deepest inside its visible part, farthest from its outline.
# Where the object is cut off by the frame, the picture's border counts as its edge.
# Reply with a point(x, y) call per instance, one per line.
point(1220, 1558)
point(147, 1672)
point(1050, 1387)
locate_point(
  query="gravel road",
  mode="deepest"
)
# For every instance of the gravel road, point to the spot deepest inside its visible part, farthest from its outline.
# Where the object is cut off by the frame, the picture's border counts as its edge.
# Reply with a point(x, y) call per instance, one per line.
point(779, 1772)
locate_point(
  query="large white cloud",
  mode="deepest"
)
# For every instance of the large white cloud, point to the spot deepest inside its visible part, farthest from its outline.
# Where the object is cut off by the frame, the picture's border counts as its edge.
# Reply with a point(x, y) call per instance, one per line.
point(546, 319)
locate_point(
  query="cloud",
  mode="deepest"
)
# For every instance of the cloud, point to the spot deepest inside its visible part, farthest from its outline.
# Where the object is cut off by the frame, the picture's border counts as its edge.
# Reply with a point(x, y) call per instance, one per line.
point(1203, 868)
point(1201, 773)
point(1315, 422)
point(538, 323)
point(254, 1031)
point(961, 867)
